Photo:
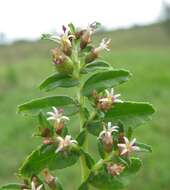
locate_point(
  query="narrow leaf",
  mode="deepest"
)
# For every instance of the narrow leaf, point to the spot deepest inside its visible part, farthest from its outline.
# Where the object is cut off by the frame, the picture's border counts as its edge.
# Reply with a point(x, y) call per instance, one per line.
point(144, 147)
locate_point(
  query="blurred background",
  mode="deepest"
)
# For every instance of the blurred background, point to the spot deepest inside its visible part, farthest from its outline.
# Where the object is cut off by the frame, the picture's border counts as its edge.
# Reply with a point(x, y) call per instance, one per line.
point(140, 33)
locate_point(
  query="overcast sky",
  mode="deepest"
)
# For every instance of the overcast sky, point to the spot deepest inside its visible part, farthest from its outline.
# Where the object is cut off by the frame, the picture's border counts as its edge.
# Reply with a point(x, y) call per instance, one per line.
point(30, 18)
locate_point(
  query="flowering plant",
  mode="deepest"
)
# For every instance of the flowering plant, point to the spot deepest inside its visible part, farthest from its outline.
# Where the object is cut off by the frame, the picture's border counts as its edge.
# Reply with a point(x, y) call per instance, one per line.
point(101, 113)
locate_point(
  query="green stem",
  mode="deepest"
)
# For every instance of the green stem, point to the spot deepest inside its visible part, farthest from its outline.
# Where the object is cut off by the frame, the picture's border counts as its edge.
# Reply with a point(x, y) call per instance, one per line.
point(84, 168)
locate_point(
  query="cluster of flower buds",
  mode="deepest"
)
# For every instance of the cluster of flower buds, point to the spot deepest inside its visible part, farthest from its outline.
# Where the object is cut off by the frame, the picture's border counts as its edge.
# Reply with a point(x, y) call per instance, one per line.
point(105, 101)
point(71, 43)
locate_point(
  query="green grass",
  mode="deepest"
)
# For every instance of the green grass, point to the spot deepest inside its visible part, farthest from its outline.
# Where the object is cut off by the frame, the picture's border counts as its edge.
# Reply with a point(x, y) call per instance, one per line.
point(144, 51)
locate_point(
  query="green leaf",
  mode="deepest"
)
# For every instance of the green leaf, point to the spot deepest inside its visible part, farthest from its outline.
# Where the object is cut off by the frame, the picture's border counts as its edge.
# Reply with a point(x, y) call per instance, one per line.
point(135, 165)
point(103, 80)
point(95, 65)
point(94, 127)
point(58, 80)
point(45, 157)
point(144, 147)
point(11, 186)
point(36, 106)
point(58, 184)
point(43, 122)
point(89, 160)
point(130, 114)
point(83, 186)
point(81, 137)
point(104, 181)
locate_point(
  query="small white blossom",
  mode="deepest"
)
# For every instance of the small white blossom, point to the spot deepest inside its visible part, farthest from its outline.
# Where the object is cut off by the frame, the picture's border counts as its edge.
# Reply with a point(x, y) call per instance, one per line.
point(33, 187)
point(110, 97)
point(57, 115)
point(115, 169)
point(64, 143)
point(103, 45)
point(106, 134)
point(128, 147)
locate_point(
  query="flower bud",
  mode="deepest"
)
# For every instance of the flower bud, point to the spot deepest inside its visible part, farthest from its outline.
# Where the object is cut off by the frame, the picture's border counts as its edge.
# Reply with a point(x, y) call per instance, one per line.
point(49, 179)
point(95, 51)
point(62, 62)
point(91, 56)
point(59, 127)
point(86, 34)
point(115, 169)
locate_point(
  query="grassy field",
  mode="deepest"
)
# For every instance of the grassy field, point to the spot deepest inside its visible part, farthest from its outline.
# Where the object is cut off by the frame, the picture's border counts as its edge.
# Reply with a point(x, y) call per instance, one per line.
point(145, 51)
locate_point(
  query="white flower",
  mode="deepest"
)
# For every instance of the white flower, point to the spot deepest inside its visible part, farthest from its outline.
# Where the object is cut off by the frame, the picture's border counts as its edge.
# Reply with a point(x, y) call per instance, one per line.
point(115, 169)
point(57, 115)
point(64, 143)
point(106, 134)
point(33, 187)
point(128, 147)
point(103, 45)
point(110, 97)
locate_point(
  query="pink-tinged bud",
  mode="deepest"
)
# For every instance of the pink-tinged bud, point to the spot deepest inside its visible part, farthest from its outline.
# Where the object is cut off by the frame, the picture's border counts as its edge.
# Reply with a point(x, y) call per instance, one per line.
point(62, 62)
point(115, 169)
point(48, 140)
point(49, 179)
point(58, 56)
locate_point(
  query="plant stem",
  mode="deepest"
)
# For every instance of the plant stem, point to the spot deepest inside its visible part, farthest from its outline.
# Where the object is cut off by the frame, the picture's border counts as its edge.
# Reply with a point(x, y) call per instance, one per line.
point(84, 169)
